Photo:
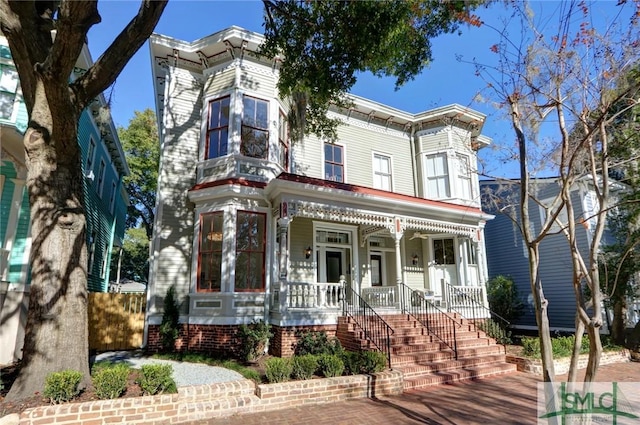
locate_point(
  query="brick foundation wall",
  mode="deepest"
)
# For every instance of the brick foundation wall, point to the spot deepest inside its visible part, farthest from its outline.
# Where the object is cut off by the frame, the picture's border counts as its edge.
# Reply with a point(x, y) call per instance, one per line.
point(285, 338)
point(222, 338)
point(219, 400)
point(198, 338)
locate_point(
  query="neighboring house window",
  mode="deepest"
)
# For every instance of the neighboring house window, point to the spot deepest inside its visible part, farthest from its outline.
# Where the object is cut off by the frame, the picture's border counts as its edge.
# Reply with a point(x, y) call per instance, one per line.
point(283, 140)
point(8, 88)
point(255, 128)
point(92, 250)
point(100, 186)
point(112, 197)
point(218, 128)
point(105, 257)
point(381, 172)
point(250, 249)
point(210, 264)
point(91, 155)
point(443, 252)
point(464, 177)
point(333, 162)
point(437, 176)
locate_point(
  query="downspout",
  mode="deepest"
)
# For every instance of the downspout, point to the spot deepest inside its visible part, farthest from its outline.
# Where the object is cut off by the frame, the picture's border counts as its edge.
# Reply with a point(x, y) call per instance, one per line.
point(105, 282)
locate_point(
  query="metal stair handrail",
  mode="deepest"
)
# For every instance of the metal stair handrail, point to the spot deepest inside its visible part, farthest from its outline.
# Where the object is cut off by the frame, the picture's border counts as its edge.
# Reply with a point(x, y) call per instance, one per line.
point(435, 320)
point(375, 328)
point(472, 305)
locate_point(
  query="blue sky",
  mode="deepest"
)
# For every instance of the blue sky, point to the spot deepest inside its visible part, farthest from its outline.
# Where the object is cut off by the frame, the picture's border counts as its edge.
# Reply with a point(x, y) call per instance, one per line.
point(446, 81)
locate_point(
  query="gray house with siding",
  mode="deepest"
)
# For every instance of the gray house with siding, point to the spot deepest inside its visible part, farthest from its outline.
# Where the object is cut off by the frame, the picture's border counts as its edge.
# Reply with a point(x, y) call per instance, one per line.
point(507, 253)
point(250, 226)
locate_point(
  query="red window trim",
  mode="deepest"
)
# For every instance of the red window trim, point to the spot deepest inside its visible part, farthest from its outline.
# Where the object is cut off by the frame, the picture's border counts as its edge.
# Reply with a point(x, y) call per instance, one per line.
point(198, 289)
point(209, 130)
point(264, 251)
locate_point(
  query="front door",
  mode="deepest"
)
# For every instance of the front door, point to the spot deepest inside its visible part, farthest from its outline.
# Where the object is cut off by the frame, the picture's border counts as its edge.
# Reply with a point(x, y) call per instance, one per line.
point(376, 270)
point(334, 265)
point(444, 264)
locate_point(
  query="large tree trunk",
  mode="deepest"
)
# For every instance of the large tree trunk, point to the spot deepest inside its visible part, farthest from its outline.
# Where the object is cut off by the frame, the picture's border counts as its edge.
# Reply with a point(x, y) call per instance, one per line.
point(618, 329)
point(56, 334)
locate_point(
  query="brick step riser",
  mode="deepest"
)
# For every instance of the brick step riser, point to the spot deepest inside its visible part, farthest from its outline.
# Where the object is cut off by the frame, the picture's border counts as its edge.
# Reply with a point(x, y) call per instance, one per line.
point(435, 355)
point(415, 348)
point(412, 370)
point(431, 380)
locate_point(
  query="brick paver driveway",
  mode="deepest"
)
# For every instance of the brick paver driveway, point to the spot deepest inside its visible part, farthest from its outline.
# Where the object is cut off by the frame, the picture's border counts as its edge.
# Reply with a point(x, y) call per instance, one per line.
point(507, 399)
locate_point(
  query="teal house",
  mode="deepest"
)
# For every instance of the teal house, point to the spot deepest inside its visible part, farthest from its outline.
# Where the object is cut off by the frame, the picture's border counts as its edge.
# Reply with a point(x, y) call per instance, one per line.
point(104, 167)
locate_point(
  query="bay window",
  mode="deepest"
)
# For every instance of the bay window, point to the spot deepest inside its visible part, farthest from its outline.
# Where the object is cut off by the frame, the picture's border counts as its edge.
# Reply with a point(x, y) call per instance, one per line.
point(250, 252)
point(255, 128)
point(217, 128)
point(210, 261)
point(437, 176)
point(283, 140)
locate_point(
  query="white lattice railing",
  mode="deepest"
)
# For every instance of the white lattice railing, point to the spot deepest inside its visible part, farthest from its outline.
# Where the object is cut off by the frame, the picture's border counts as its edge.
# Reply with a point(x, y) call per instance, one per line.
point(468, 301)
point(380, 296)
point(301, 295)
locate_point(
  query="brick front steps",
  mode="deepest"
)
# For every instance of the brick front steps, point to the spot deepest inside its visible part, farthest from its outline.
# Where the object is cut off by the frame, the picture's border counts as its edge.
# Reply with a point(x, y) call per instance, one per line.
point(215, 401)
point(424, 361)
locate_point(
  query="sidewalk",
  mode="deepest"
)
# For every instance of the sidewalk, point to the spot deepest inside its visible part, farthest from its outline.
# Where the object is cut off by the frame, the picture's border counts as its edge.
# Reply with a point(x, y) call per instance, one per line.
point(506, 399)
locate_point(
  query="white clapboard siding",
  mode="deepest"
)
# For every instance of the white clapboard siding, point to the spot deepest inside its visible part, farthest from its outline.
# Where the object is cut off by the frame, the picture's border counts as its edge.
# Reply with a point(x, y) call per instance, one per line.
point(177, 175)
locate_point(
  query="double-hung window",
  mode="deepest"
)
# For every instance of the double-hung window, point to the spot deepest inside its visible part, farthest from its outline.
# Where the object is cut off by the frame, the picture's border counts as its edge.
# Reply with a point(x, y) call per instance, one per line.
point(333, 162)
point(443, 252)
point(210, 263)
point(381, 172)
point(250, 250)
point(91, 154)
point(218, 128)
point(283, 140)
point(112, 197)
point(8, 88)
point(437, 174)
point(464, 177)
point(255, 128)
point(100, 186)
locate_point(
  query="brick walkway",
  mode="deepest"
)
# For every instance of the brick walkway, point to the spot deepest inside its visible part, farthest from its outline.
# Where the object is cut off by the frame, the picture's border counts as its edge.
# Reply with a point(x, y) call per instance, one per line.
point(507, 399)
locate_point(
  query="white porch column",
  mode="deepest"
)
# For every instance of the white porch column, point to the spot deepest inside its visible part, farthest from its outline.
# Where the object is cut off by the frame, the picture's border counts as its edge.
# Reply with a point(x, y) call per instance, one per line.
point(283, 232)
point(398, 232)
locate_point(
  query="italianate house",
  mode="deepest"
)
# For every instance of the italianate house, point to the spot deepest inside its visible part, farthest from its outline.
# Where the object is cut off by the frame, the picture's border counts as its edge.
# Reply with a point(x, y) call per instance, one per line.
point(250, 226)
point(105, 199)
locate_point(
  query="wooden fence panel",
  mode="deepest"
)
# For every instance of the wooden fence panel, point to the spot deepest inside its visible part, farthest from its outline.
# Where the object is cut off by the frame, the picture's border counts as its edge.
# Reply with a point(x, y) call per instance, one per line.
point(116, 321)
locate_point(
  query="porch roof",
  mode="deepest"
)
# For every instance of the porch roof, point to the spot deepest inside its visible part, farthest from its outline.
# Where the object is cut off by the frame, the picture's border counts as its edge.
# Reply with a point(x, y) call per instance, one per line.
point(322, 199)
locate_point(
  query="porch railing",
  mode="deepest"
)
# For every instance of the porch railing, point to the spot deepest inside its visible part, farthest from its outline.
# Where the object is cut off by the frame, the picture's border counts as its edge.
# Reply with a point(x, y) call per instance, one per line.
point(435, 320)
point(304, 295)
point(468, 301)
point(375, 328)
point(381, 296)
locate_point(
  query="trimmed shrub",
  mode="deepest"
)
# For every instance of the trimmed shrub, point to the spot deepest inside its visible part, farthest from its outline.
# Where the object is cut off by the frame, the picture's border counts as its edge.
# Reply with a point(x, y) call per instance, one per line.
point(503, 297)
point(330, 365)
point(62, 386)
point(278, 369)
point(111, 382)
point(316, 343)
point(253, 340)
point(352, 362)
point(303, 367)
point(531, 346)
point(157, 379)
point(372, 361)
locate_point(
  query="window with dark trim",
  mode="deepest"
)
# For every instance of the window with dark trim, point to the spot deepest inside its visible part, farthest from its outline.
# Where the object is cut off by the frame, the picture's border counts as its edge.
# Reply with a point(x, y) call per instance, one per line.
point(250, 250)
point(218, 128)
point(283, 140)
point(443, 252)
point(100, 186)
point(210, 260)
point(333, 162)
point(255, 128)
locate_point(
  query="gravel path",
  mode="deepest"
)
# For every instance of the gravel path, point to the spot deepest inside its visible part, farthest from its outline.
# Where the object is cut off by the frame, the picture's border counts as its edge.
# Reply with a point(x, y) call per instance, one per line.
point(185, 374)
